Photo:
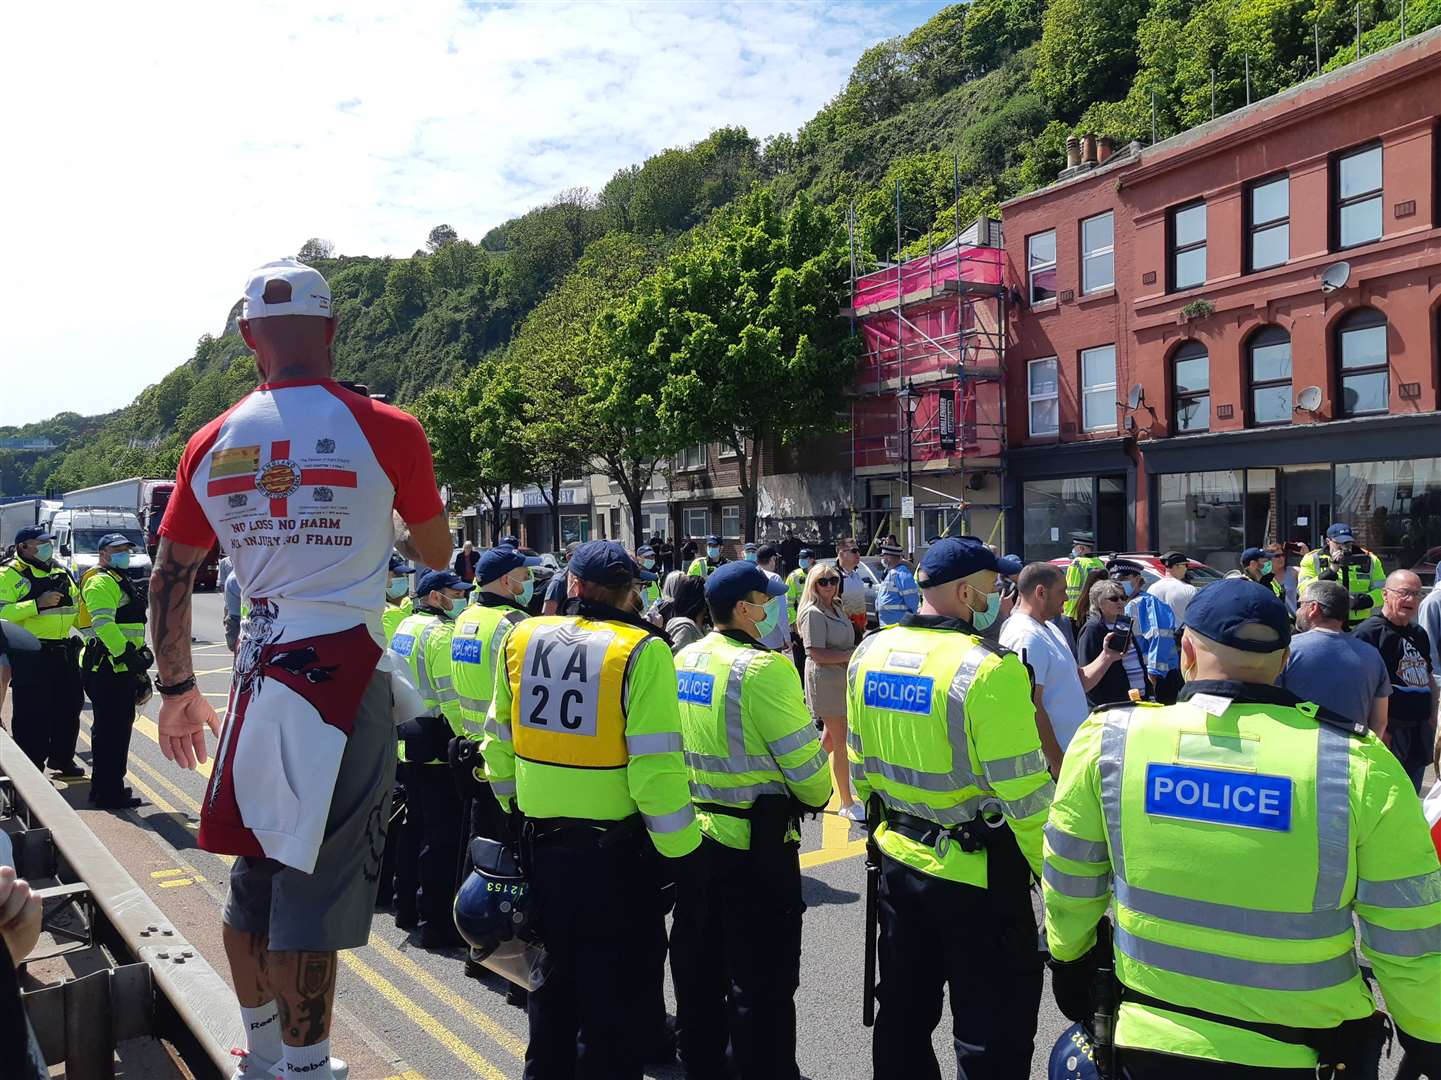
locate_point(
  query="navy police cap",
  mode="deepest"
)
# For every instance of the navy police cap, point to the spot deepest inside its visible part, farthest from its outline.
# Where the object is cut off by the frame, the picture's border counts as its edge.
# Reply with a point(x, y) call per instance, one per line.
point(33, 532)
point(604, 562)
point(499, 561)
point(954, 557)
point(1241, 613)
point(110, 540)
point(398, 565)
point(441, 579)
point(737, 580)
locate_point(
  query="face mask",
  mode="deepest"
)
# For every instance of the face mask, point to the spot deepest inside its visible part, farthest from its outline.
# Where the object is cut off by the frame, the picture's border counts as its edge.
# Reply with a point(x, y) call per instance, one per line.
point(982, 619)
point(527, 590)
point(649, 564)
point(750, 556)
point(1128, 586)
point(44, 552)
point(771, 619)
point(457, 604)
point(397, 588)
point(805, 564)
point(1076, 553)
point(713, 552)
point(1266, 567)
point(120, 560)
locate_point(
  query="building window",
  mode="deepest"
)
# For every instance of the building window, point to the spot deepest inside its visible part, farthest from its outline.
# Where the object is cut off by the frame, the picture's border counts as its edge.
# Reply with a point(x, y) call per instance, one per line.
point(1044, 395)
point(1098, 388)
point(730, 521)
point(1187, 246)
point(1098, 253)
point(1268, 222)
point(1054, 509)
point(1269, 360)
point(1362, 360)
point(1356, 181)
point(697, 521)
point(1191, 369)
point(1041, 266)
point(692, 457)
point(574, 528)
point(1200, 513)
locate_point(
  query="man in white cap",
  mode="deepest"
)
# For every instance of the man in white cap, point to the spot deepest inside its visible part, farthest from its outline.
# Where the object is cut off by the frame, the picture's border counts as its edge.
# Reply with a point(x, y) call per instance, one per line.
point(301, 482)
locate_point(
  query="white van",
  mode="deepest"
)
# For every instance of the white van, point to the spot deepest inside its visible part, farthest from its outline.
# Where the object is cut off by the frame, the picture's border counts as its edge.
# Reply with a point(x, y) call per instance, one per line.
point(77, 540)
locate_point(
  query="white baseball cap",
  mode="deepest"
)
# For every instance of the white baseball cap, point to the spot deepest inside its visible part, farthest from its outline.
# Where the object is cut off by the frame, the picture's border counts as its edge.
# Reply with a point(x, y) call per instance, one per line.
point(285, 287)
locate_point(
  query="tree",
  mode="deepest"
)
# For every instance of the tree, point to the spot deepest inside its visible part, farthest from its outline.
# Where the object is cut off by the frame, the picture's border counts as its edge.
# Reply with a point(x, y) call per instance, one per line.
point(315, 249)
point(743, 323)
point(1087, 52)
point(440, 236)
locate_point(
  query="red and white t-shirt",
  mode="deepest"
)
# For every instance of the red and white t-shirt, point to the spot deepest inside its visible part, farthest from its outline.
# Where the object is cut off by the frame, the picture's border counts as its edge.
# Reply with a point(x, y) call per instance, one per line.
point(298, 481)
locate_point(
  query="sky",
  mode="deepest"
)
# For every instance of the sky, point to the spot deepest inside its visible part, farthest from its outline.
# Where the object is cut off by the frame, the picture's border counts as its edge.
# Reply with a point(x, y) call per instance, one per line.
point(157, 152)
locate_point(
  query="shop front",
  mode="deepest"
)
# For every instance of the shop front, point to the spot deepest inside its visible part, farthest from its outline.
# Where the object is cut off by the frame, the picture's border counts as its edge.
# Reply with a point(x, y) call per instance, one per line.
point(1214, 495)
point(1055, 491)
point(535, 511)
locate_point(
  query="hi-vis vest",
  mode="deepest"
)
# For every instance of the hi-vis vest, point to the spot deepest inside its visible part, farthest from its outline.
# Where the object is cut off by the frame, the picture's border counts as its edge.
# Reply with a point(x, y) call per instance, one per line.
point(395, 614)
point(111, 611)
point(1076, 574)
point(474, 648)
point(567, 678)
point(423, 640)
point(22, 584)
point(1238, 838)
point(795, 585)
point(942, 727)
point(1357, 580)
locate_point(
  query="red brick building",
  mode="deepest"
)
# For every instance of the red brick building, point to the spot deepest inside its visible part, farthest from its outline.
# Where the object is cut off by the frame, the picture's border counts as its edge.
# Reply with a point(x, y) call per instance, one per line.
point(1232, 336)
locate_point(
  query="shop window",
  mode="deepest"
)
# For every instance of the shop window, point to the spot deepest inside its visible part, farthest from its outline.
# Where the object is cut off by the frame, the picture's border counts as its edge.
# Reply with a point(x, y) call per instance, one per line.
point(1395, 509)
point(1098, 388)
point(1054, 509)
point(1186, 240)
point(692, 457)
point(1357, 198)
point(1191, 372)
point(1363, 374)
point(730, 522)
point(697, 521)
point(1098, 253)
point(574, 529)
point(1043, 392)
point(1268, 223)
point(1201, 514)
point(1041, 266)
point(1268, 358)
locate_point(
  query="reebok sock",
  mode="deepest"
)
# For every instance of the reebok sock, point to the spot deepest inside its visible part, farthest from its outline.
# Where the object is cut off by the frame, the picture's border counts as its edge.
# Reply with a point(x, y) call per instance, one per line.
point(262, 1031)
point(307, 1062)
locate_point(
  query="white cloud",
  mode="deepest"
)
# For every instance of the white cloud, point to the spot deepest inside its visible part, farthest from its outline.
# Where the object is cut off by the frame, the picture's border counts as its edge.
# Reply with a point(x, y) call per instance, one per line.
point(156, 152)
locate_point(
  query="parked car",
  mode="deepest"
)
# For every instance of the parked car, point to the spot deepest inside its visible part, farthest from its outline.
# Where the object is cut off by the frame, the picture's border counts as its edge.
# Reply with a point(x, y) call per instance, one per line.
point(873, 585)
point(1152, 570)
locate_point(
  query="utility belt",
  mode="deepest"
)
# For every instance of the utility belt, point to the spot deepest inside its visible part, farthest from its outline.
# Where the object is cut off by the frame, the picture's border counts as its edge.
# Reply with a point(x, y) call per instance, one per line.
point(604, 833)
point(974, 835)
point(1351, 1050)
point(771, 817)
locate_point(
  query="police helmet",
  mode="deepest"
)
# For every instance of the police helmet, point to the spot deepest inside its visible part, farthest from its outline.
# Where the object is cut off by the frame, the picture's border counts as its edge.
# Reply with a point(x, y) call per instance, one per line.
point(1072, 1058)
point(144, 689)
point(492, 913)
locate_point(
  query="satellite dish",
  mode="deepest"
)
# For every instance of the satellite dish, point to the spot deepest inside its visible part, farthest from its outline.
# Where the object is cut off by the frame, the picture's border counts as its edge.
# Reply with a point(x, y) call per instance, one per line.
point(1309, 399)
point(1335, 277)
point(1136, 396)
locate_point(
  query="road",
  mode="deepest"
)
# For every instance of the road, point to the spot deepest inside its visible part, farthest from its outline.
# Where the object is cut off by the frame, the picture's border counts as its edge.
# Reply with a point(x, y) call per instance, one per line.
point(405, 1013)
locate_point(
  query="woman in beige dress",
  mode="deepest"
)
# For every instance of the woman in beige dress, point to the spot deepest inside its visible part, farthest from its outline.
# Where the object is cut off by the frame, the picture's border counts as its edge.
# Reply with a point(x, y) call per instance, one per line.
point(829, 639)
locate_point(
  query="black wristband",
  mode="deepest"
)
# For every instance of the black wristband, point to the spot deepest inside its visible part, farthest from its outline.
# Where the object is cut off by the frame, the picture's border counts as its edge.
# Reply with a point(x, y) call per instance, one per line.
point(183, 686)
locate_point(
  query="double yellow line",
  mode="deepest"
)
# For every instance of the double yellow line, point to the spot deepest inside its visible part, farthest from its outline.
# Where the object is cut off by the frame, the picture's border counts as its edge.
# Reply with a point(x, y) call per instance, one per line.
point(402, 1002)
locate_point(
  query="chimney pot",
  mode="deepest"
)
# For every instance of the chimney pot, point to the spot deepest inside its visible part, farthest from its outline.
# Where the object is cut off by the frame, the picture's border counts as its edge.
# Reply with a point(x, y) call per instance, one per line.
point(1088, 148)
point(1073, 151)
point(1105, 147)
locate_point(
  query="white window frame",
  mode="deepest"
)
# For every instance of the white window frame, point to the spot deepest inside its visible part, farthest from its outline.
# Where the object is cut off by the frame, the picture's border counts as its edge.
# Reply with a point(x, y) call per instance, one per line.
point(688, 515)
point(683, 462)
point(1105, 249)
point(1087, 389)
point(726, 515)
point(1033, 268)
point(1032, 397)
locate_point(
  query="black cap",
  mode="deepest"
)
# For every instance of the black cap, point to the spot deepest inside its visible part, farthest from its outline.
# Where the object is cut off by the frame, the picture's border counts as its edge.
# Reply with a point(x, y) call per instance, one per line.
point(957, 557)
point(398, 565)
point(499, 561)
point(604, 562)
point(1251, 554)
point(110, 540)
point(1084, 538)
point(1171, 558)
point(441, 579)
point(33, 532)
point(1241, 613)
point(737, 580)
point(1123, 567)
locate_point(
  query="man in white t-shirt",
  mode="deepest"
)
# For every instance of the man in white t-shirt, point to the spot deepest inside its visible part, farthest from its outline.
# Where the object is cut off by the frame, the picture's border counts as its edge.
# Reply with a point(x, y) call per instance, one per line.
point(1060, 686)
point(1173, 588)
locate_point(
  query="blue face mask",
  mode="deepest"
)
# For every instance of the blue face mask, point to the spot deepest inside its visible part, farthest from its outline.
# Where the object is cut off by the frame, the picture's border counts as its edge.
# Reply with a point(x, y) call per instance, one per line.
point(44, 552)
point(458, 604)
point(713, 552)
point(648, 563)
point(397, 588)
point(120, 560)
point(750, 556)
point(1128, 586)
point(527, 590)
point(805, 564)
point(982, 619)
point(772, 617)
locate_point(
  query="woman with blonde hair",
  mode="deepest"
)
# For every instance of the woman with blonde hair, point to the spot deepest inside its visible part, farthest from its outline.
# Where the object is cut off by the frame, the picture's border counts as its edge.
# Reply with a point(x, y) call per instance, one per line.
point(829, 639)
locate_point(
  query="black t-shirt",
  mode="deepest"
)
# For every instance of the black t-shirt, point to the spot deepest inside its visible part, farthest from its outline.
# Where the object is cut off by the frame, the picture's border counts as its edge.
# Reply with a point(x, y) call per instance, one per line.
point(1407, 653)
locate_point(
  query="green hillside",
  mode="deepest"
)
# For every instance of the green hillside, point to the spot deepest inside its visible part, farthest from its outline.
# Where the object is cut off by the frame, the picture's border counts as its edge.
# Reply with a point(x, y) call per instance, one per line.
point(978, 100)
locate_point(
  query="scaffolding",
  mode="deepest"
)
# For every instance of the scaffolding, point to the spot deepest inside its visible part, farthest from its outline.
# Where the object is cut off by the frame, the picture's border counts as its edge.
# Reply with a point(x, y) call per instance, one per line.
point(928, 396)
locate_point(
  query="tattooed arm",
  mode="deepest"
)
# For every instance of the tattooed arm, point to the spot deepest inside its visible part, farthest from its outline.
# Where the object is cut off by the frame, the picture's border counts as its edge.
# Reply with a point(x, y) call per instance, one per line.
point(183, 717)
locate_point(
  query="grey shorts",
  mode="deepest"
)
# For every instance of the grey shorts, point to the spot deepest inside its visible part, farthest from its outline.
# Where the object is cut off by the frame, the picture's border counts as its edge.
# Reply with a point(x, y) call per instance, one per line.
point(331, 908)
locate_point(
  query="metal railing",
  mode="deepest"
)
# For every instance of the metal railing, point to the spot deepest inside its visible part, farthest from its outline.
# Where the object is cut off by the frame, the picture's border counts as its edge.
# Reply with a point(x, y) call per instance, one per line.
point(154, 983)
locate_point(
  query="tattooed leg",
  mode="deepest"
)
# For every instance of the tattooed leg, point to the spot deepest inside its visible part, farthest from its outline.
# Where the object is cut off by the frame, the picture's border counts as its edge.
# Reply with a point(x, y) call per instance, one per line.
point(249, 956)
point(304, 985)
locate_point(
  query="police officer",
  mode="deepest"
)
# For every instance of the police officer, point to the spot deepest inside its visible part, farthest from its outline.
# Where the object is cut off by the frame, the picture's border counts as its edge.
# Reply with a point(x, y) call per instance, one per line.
point(398, 604)
point(433, 829)
point(1240, 831)
point(1256, 566)
point(944, 750)
point(39, 595)
point(755, 762)
point(116, 664)
point(1343, 559)
point(505, 588)
point(1083, 564)
point(702, 565)
point(899, 595)
point(587, 745)
point(650, 590)
point(796, 580)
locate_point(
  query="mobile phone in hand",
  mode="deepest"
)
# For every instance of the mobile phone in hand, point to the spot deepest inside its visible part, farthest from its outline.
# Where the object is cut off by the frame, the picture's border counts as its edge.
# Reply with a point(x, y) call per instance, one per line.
point(1119, 639)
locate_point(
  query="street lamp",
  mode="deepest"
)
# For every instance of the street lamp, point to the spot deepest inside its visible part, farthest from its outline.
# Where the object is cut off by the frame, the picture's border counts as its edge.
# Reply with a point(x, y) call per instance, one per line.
point(910, 402)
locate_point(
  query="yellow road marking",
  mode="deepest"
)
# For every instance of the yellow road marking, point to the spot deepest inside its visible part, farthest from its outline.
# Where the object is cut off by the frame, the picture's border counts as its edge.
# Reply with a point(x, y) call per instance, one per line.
point(180, 881)
point(147, 727)
point(166, 873)
point(836, 843)
point(513, 1045)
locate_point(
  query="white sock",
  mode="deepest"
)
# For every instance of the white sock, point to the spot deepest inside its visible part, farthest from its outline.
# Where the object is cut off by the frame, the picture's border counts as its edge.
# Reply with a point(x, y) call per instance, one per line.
point(307, 1062)
point(262, 1031)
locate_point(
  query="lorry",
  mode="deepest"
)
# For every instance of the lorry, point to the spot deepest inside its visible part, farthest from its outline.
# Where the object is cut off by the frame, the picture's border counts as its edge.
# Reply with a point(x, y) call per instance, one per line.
point(77, 541)
point(15, 516)
point(146, 498)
